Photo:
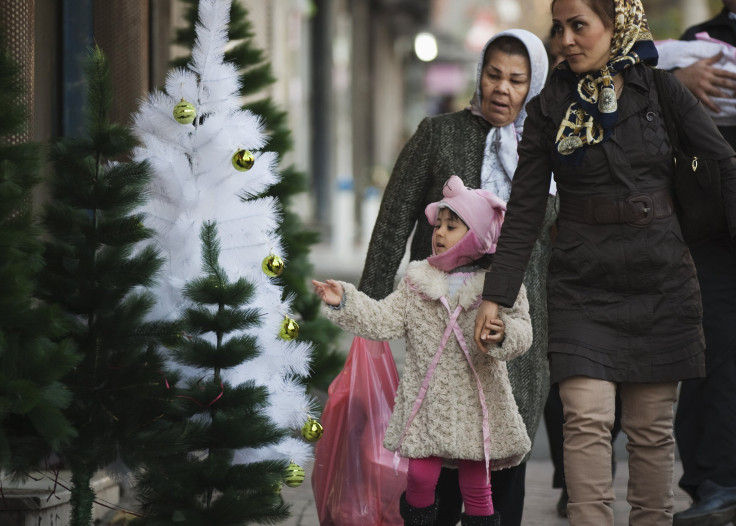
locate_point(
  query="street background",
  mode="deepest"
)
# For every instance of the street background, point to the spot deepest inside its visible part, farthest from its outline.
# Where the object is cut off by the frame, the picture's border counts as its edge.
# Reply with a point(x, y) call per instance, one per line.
point(354, 86)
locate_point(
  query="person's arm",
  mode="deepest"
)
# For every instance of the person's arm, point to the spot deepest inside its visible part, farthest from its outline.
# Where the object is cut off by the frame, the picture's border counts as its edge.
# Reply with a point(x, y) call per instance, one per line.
point(403, 200)
point(372, 319)
point(701, 135)
point(522, 224)
point(706, 81)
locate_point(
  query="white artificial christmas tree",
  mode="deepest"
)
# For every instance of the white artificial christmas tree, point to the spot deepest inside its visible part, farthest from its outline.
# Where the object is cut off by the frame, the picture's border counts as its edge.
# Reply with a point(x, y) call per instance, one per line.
point(195, 181)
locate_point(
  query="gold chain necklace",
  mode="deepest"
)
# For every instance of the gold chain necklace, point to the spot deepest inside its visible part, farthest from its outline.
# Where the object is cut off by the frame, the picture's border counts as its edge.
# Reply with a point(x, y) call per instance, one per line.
point(618, 88)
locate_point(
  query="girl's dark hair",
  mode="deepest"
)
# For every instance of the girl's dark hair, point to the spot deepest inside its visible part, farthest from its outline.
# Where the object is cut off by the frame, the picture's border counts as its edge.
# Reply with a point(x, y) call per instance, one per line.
point(507, 44)
point(453, 214)
point(605, 9)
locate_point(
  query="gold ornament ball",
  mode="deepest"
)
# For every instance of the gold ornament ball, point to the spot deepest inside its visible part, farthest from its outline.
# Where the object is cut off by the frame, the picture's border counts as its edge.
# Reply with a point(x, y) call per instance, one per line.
point(294, 475)
point(312, 430)
point(184, 112)
point(272, 266)
point(243, 160)
point(289, 329)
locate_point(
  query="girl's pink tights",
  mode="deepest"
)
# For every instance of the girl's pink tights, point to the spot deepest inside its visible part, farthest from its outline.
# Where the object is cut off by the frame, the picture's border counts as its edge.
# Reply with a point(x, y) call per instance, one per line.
point(422, 480)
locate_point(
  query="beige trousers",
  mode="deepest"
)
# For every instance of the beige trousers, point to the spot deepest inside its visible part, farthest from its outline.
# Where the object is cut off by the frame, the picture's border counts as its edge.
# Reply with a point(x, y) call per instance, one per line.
point(646, 419)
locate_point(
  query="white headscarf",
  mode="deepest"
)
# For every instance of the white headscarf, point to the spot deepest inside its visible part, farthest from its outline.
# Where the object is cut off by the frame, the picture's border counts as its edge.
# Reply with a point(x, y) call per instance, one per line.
point(500, 155)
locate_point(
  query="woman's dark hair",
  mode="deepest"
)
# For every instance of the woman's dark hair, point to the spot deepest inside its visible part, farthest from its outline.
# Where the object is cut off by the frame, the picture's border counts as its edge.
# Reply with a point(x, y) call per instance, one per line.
point(605, 9)
point(506, 44)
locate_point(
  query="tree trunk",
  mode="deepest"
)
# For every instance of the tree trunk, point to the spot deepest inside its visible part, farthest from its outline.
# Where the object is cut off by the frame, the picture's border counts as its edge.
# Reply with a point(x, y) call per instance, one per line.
point(82, 496)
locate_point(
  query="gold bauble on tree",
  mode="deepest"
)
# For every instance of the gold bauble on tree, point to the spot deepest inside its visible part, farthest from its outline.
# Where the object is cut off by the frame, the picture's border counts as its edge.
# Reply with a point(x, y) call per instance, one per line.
point(312, 430)
point(272, 265)
point(289, 329)
point(294, 475)
point(185, 112)
point(243, 160)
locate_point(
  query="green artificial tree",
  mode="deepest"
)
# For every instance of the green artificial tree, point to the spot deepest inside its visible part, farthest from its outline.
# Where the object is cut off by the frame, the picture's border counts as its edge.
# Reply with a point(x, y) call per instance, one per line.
point(255, 76)
point(198, 481)
point(33, 354)
point(98, 265)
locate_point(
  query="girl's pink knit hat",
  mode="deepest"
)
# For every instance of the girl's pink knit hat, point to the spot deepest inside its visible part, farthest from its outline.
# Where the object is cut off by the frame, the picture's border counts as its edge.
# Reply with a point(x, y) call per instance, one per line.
point(482, 211)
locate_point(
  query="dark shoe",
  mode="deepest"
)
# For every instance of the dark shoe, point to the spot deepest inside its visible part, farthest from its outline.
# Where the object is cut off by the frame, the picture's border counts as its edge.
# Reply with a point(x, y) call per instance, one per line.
point(417, 516)
point(562, 504)
point(480, 520)
point(716, 506)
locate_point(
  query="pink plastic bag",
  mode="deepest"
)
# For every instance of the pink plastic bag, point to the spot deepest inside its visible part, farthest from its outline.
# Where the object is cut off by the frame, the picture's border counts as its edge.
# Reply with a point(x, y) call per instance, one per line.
point(353, 478)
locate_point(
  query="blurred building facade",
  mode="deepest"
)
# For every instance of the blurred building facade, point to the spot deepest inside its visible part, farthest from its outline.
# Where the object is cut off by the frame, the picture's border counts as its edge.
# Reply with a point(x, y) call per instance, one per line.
point(346, 71)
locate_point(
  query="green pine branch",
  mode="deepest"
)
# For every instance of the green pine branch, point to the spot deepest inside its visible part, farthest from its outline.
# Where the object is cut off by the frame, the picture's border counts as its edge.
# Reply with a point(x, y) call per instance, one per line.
point(195, 481)
point(34, 355)
point(97, 270)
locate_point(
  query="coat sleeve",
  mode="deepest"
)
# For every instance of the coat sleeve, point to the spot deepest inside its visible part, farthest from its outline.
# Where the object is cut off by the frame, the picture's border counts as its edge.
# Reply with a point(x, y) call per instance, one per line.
point(402, 201)
point(525, 212)
point(364, 316)
point(518, 329)
point(703, 137)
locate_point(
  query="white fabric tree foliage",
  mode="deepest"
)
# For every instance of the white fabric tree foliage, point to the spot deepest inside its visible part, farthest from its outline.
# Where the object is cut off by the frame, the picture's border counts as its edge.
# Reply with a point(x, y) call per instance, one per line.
point(194, 181)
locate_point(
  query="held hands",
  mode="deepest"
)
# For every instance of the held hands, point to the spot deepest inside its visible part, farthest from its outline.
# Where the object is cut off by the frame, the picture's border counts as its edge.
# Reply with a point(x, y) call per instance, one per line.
point(330, 292)
point(706, 81)
point(488, 326)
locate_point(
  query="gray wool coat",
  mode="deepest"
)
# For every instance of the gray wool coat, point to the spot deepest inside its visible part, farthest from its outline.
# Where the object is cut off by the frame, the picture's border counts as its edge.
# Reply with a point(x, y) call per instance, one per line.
point(449, 421)
point(445, 145)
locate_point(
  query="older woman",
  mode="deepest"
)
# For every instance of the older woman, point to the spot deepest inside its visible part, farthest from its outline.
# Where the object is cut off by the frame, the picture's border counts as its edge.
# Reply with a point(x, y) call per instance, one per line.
point(478, 144)
point(624, 303)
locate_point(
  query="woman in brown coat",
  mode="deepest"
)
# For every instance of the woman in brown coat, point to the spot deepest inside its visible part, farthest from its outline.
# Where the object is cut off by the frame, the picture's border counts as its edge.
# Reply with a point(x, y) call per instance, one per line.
point(623, 299)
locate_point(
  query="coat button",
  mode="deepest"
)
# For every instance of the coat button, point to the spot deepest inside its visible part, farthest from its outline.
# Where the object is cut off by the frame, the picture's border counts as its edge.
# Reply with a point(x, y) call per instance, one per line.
point(651, 115)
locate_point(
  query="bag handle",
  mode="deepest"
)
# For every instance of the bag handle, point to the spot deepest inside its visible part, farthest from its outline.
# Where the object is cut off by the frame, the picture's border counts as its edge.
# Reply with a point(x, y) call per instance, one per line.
point(667, 111)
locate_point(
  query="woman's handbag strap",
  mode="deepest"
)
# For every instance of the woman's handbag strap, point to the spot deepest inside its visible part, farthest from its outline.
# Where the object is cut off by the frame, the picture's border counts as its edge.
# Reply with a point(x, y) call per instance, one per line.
point(667, 112)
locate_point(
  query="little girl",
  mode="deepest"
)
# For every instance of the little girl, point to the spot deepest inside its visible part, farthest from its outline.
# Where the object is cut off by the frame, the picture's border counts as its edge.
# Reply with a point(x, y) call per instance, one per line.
point(454, 403)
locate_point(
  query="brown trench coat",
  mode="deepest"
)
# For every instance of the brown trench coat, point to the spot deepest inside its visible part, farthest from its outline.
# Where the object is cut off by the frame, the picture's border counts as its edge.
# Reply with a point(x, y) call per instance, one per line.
point(623, 301)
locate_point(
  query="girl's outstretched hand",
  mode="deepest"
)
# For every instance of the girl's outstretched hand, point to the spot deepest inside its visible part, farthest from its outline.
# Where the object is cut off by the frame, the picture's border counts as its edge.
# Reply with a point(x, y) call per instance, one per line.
point(330, 292)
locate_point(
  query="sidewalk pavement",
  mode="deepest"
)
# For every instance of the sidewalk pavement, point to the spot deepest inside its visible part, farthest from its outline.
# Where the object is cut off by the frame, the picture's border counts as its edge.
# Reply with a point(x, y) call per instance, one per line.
point(539, 505)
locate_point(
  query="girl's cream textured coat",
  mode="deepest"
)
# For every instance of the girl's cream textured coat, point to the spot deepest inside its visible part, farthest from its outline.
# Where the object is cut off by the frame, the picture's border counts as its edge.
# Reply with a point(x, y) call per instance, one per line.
point(449, 422)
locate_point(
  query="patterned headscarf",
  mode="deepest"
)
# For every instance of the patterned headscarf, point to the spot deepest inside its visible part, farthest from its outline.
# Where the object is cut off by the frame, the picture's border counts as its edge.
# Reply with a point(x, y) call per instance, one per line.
point(591, 116)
